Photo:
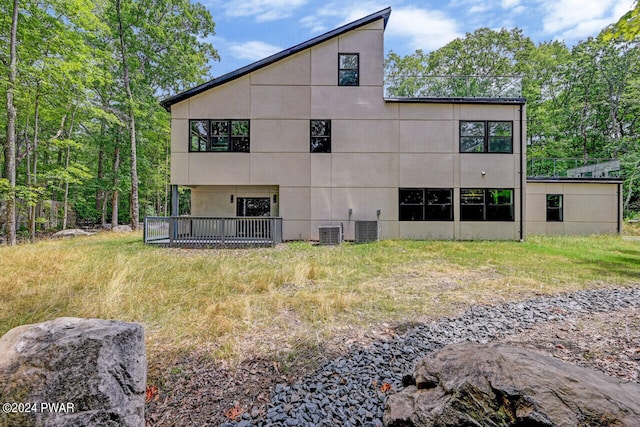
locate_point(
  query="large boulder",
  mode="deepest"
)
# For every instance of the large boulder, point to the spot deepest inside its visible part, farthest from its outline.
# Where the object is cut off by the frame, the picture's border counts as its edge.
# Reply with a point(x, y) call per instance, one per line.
point(73, 372)
point(496, 385)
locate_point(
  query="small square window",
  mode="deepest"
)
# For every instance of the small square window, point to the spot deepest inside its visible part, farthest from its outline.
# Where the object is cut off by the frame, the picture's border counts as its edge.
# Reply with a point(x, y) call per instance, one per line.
point(320, 136)
point(554, 208)
point(348, 69)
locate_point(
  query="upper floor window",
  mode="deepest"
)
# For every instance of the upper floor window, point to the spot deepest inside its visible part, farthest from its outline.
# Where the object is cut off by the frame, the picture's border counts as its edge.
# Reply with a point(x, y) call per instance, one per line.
point(486, 204)
point(348, 69)
point(426, 204)
point(219, 135)
point(320, 136)
point(486, 137)
point(554, 208)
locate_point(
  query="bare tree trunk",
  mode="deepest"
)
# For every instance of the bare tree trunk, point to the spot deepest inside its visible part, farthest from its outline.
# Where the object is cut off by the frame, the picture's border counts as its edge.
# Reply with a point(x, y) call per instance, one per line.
point(65, 209)
point(103, 216)
point(101, 195)
point(66, 168)
point(114, 195)
point(10, 147)
point(33, 176)
point(135, 219)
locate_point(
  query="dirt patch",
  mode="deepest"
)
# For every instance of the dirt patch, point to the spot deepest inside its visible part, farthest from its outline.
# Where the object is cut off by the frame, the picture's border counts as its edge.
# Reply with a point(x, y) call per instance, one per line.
point(196, 390)
point(607, 342)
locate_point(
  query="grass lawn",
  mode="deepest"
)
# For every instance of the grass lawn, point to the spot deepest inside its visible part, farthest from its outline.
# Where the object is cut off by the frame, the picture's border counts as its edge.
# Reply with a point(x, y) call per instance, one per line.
point(220, 300)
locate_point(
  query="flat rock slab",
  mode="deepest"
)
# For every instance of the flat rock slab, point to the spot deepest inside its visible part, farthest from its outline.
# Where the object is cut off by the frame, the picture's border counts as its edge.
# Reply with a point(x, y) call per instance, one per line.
point(72, 232)
point(73, 372)
point(472, 384)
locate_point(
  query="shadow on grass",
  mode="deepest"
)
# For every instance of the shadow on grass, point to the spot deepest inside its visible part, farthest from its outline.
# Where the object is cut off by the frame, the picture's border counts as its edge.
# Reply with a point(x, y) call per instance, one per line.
point(623, 263)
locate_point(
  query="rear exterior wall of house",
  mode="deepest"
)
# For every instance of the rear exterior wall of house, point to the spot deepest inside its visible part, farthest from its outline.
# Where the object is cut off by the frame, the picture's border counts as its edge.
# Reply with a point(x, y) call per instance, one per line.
point(393, 161)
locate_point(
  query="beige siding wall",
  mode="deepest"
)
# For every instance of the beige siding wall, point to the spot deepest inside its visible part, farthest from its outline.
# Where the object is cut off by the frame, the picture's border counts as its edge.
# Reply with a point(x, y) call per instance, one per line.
point(588, 208)
point(377, 147)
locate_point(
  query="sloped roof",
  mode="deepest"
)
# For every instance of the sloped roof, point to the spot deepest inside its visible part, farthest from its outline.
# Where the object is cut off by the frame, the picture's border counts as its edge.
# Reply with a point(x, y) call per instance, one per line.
point(383, 14)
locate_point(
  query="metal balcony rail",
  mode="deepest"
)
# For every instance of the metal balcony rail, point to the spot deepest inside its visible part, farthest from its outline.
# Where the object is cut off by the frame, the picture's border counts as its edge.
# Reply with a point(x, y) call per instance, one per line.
point(573, 168)
point(418, 86)
point(188, 231)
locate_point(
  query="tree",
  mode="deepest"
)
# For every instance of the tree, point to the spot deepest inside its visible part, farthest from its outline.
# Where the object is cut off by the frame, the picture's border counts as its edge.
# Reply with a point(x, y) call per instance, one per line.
point(10, 143)
point(160, 49)
point(628, 26)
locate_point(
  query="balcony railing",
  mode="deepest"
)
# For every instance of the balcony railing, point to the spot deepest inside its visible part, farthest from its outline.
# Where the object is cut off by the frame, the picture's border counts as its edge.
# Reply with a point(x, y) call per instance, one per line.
point(409, 86)
point(573, 168)
point(188, 231)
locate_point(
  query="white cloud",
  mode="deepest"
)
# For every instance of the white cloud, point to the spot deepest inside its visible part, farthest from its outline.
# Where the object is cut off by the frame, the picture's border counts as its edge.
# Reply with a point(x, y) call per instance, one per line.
point(252, 50)
point(425, 29)
point(263, 10)
point(508, 4)
point(578, 19)
point(335, 14)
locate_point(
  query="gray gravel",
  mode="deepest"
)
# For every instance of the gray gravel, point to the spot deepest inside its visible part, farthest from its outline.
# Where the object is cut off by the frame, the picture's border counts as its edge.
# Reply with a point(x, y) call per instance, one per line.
point(347, 391)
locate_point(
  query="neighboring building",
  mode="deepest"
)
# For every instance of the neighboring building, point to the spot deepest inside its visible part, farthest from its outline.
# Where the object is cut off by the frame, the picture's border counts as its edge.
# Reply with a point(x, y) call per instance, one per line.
point(308, 135)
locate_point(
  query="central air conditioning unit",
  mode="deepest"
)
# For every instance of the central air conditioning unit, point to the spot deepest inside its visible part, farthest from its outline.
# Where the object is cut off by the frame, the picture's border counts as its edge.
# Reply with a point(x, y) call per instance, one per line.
point(366, 231)
point(330, 234)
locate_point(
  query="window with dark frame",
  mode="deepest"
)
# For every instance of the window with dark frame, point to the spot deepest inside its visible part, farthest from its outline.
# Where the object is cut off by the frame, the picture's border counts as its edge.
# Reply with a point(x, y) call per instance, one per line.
point(486, 204)
point(554, 208)
point(426, 204)
point(320, 136)
point(486, 137)
point(348, 69)
point(208, 135)
point(253, 206)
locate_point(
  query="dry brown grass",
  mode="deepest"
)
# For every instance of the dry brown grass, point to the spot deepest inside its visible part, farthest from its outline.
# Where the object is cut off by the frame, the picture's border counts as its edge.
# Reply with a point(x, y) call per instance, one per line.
point(231, 302)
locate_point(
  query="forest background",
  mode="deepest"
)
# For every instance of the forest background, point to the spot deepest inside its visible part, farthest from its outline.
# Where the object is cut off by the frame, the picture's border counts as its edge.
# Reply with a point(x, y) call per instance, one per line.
point(85, 141)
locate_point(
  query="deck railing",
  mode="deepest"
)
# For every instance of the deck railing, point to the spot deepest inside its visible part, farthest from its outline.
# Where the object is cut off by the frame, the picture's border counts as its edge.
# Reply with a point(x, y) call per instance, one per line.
point(573, 167)
point(429, 86)
point(186, 231)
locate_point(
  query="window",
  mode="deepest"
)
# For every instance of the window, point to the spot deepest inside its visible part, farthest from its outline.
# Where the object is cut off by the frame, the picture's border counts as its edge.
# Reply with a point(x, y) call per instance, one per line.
point(253, 206)
point(219, 135)
point(348, 69)
point(481, 204)
point(554, 208)
point(426, 204)
point(320, 136)
point(486, 137)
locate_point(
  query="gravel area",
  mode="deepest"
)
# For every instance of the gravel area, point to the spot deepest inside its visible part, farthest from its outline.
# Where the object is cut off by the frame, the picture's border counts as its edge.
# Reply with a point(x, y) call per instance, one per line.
point(599, 329)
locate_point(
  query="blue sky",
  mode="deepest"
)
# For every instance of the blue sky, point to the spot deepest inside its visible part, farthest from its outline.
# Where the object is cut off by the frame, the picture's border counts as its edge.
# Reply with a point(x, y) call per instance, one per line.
point(249, 30)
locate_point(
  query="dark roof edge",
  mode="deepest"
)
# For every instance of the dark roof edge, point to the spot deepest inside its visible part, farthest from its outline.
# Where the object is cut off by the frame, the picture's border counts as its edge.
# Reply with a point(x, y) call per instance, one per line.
point(459, 100)
point(382, 14)
point(559, 179)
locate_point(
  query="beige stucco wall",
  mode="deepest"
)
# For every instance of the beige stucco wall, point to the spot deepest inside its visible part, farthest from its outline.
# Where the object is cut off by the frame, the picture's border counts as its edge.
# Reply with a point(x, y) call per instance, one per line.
point(589, 208)
point(377, 147)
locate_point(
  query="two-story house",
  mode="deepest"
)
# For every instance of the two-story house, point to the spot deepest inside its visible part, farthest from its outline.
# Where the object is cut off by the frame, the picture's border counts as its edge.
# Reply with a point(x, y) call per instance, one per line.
point(308, 135)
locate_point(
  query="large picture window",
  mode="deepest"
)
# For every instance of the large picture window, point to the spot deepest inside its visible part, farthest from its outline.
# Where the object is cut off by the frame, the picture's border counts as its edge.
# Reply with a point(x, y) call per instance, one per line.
point(486, 137)
point(486, 204)
point(348, 69)
point(219, 135)
point(320, 136)
point(426, 204)
point(554, 208)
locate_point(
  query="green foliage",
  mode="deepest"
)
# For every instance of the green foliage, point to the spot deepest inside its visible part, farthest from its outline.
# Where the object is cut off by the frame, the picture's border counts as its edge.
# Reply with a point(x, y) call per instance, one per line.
point(628, 26)
point(72, 109)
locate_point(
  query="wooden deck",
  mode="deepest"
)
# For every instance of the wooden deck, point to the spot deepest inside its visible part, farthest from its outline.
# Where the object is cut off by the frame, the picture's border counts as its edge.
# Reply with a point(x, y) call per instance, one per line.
point(209, 232)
